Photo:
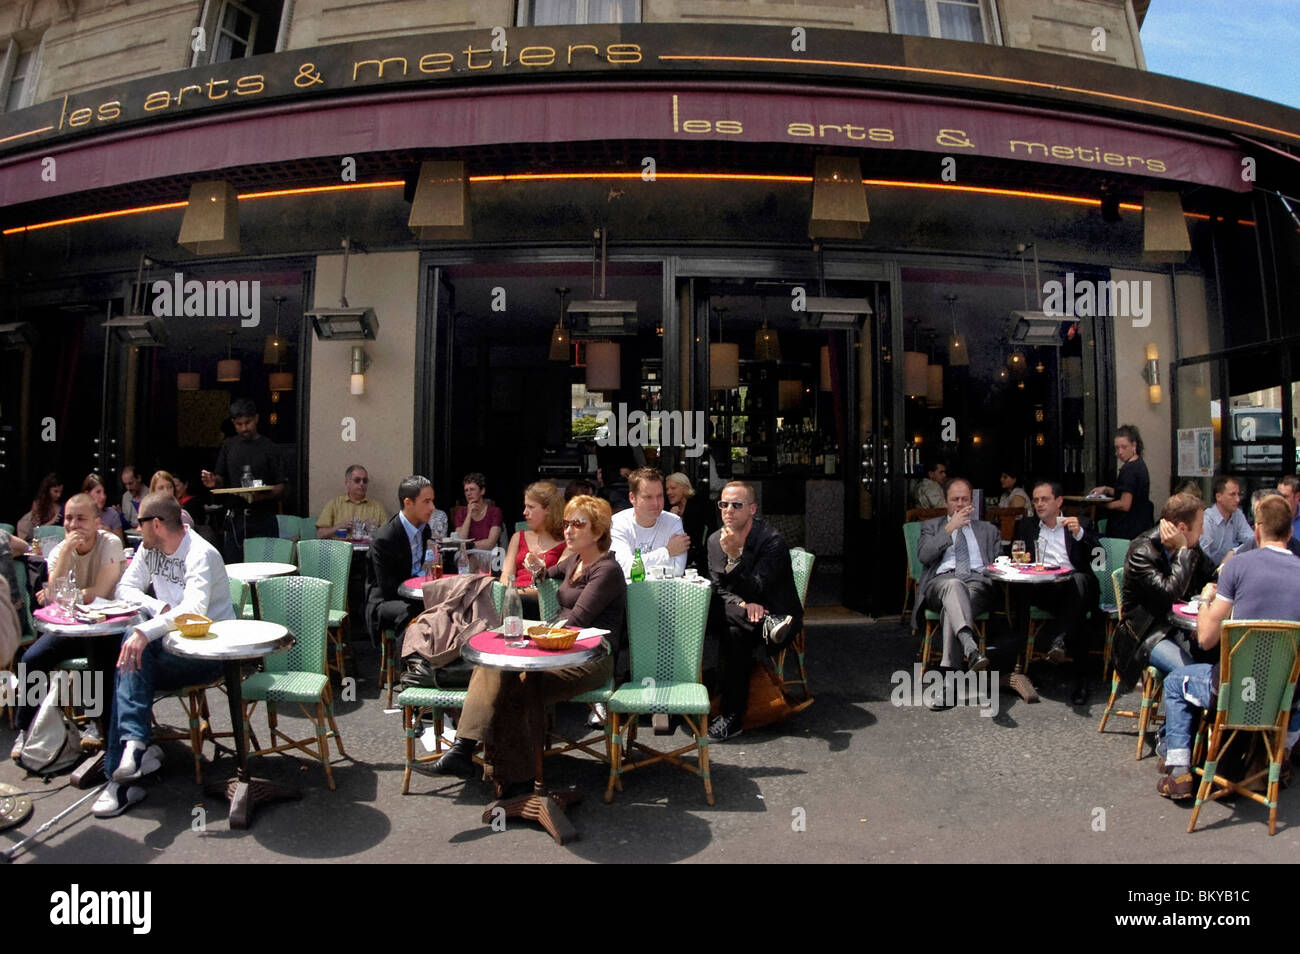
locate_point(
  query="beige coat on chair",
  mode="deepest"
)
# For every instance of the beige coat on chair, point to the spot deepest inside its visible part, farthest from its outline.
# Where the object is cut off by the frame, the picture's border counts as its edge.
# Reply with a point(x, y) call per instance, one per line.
point(455, 608)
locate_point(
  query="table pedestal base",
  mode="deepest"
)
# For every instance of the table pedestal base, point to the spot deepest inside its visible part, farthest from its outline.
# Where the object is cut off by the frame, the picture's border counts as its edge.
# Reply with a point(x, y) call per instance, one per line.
point(244, 796)
point(1019, 683)
point(545, 808)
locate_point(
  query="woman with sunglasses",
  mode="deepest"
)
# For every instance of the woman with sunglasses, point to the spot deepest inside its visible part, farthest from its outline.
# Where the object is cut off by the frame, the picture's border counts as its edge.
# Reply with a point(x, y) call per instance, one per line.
point(500, 706)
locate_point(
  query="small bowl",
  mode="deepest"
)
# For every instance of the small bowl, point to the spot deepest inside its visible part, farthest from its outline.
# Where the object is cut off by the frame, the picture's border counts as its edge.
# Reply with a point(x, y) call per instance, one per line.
point(554, 638)
point(192, 625)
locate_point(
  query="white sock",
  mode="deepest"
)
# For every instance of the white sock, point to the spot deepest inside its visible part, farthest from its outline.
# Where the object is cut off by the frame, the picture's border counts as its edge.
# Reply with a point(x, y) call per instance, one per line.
point(132, 746)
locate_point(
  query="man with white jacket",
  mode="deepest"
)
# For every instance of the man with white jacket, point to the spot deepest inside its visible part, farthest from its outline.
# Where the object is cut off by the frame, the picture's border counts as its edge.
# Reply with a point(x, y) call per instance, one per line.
point(188, 576)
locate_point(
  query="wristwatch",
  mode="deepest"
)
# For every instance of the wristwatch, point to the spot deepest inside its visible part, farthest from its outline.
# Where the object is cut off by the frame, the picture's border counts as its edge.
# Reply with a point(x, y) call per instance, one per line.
point(732, 563)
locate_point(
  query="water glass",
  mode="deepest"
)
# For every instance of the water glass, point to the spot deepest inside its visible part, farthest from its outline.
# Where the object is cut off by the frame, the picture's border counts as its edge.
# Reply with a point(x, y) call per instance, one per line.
point(1017, 551)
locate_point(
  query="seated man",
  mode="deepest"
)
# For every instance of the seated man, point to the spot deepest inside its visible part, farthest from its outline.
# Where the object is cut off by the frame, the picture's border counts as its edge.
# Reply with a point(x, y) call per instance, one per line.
point(749, 564)
point(929, 492)
point(953, 550)
point(1293, 544)
point(1261, 584)
point(397, 554)
point(1164, 566)
point(1225, 525)
point(351, 505)
point(187, 576)
point(656, 532)
point(95, 559)
point(1066, 541)
point(1289, 487)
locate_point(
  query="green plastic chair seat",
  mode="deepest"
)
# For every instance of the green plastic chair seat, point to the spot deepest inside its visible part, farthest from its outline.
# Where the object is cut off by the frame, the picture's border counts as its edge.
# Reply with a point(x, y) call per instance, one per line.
point(337, 617)
point(596, 695)
point(305, 687)
point(432, 698)
point(673, 698)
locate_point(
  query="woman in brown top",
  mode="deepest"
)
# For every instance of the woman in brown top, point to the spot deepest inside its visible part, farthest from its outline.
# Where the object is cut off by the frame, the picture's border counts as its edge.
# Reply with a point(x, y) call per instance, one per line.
point(502, 708)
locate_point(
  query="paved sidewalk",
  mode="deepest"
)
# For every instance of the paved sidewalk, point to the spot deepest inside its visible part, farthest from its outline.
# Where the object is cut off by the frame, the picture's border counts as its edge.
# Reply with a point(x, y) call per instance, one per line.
point(852, 779)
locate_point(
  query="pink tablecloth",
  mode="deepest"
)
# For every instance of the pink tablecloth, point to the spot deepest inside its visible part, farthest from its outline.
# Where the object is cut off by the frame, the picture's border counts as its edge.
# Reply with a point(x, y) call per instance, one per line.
point(49, 614)
point(495, 643)
point(1027, 570)
point(1185, 609)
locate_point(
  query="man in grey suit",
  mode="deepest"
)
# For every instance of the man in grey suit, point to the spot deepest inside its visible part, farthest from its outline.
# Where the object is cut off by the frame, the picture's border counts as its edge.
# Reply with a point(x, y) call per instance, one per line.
point(953, 550)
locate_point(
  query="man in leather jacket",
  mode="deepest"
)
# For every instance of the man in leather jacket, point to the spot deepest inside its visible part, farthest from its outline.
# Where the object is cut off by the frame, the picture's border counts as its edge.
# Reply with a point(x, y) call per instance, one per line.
point(1164, 566)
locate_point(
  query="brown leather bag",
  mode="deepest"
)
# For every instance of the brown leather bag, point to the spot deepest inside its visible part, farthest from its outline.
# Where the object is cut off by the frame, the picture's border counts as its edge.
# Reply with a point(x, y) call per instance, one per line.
point(769, 703)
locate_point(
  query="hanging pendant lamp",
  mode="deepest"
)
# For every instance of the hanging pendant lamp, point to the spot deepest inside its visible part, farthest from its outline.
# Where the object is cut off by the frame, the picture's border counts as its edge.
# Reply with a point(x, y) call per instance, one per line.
point(560, 336)
point(228, 369)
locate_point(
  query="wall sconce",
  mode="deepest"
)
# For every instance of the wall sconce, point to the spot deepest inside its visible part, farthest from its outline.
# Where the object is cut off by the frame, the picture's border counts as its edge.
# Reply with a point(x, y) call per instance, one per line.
point(357, 382)
point(1151, 375)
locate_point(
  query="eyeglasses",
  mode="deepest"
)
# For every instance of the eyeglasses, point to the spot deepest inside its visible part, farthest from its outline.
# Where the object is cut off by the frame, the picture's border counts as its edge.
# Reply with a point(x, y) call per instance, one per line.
point(733, 504)
point(575, 524)
point(361, 480)
point(142, 518)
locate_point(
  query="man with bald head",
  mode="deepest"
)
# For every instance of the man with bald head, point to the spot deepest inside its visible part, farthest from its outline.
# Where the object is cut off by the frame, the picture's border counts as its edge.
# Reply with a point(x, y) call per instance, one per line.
point(953, 549)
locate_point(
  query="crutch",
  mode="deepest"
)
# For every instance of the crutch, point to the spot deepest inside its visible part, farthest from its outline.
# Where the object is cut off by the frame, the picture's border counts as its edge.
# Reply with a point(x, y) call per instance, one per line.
point(9, 853)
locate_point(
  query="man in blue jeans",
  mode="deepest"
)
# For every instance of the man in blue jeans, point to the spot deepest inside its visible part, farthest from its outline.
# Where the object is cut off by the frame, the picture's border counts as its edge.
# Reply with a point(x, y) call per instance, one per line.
point(1263, 583)
point(187, 576)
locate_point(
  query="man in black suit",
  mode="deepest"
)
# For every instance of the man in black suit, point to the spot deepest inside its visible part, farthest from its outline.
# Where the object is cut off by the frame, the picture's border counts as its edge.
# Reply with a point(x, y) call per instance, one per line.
point(749, 564)
point(397, 554)
point(1066, 541)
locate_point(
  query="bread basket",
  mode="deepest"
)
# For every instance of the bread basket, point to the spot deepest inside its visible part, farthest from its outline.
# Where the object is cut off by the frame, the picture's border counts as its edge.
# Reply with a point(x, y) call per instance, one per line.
point(546, 637)
point(192, 625)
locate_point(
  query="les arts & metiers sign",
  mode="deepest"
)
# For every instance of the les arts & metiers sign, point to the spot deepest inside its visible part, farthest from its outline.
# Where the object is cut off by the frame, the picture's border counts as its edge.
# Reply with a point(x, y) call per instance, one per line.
point(703, 57)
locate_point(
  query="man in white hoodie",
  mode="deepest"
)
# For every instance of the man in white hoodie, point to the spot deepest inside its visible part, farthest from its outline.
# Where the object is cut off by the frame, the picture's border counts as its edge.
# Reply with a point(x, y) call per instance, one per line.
point(188, 576)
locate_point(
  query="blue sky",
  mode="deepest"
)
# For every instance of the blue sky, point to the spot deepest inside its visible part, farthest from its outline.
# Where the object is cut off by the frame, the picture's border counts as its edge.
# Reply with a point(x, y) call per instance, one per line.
point(1250, 46)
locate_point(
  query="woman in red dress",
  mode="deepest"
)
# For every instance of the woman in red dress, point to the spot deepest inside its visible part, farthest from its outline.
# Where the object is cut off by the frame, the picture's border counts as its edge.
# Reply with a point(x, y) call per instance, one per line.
point(544, 514)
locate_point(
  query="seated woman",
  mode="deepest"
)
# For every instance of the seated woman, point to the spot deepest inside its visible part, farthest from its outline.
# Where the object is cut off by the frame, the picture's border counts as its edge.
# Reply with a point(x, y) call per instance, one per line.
point(163, 482)
point(480, 519)
point(1013, 495)
point(544, 538)
point(47, 509)
point(506, 711)
point(699, 519)
point(110, 518)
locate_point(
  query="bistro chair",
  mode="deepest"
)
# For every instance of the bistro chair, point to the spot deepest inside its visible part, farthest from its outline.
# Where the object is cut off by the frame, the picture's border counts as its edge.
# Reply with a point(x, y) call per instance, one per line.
point(307, 528)
point(801, 562)
point(389, 649)
point(8, 528)
point(1265, 657)
point(912, 568)
point(1004, 518)
point(331, 560)
point(297, 674)
point(43, 533)
point(666, 620)
point(1152, 682)
point(194, 700)
point(1116, 551)
point(415, 703)
point(268, 550)
point(238, 596)
point(290, 527)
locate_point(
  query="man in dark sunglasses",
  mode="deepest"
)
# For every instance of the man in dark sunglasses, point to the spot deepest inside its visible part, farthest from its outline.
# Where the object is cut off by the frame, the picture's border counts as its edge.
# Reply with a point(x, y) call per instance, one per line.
point(752, 581)
point(353, 504)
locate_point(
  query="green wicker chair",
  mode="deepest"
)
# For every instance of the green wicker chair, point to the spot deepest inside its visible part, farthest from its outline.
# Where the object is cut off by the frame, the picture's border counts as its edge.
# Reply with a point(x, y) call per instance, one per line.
point(1268, 651)
point(307, 528)
point(298, 674)
point(911, 539)
point(1116, 552)
point(666, 625)
point(331, 560)
point(1152, 682)
point(267, 550)
point(8, 528)
point(290, 527)
point(238, 596)
point(415, 702)
point(58, 533)
point(801, 562)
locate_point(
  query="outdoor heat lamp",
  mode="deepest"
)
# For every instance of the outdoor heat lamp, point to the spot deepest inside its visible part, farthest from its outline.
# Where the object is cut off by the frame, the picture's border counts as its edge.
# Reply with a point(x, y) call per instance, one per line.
point(344, 323)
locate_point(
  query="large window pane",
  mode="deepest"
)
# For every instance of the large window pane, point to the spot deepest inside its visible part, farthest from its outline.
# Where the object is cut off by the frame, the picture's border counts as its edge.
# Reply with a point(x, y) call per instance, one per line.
point(960, 21)
point(911, 18)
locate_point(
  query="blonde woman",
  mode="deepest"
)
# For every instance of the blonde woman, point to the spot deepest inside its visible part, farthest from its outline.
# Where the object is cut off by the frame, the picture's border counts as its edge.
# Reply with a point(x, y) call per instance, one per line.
point(543, 541)
point(698, 518)
point(164, 482)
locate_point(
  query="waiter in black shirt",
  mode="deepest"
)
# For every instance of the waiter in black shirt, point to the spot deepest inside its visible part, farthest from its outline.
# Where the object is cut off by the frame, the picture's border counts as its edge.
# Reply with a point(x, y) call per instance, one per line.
point(247, 453)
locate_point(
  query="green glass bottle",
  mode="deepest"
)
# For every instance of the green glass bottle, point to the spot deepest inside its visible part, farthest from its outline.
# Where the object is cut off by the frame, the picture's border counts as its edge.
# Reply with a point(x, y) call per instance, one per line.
point(638, 568)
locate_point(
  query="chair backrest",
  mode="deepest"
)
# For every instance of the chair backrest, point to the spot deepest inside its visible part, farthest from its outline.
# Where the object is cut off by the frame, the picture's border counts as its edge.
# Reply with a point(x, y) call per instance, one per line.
point(57, 533)
point(328, 560)
point(1106, 582)
point(1102, 524)
point(238, 596)
point(911, 539)
point(498, 596)
point(8, 528)
point(801, 562)
point(924, 513)
point(665, 627)
point(1258, 664)
point(1116, 551)
point(268, 550)
point(521, 526)
point(306, 528)
point(25, 610)
point(1117, 586)
point(1004, 518)
point(302, 605)
point(547, 597)
point(290, 526)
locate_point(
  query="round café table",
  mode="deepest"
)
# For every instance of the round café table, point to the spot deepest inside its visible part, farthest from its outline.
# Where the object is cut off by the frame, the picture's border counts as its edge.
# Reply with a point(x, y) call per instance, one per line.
point(1087, 504)
point(545, 807)
point(234, 642)
point(254, 573)
point(1024, 575)
point(103, 646)
point(413, 589)
point(1183, 615)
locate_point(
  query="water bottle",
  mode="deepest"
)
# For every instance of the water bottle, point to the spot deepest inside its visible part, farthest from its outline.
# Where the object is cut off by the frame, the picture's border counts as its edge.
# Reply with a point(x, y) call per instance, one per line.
point(426, 568)
point(638, 567)
point(462, 562)
point(246, 480)
point(512, 613)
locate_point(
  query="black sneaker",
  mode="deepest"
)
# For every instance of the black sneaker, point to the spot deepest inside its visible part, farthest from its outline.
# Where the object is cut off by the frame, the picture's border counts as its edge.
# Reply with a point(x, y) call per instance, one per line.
point(724, 728)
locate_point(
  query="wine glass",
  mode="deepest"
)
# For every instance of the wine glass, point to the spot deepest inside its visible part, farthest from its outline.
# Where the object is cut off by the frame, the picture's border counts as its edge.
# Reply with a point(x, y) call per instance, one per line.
point(1017, 551)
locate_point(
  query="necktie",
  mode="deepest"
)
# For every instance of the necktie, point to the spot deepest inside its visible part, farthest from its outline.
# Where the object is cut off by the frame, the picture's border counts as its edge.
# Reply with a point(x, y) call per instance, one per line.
point(963, 555)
